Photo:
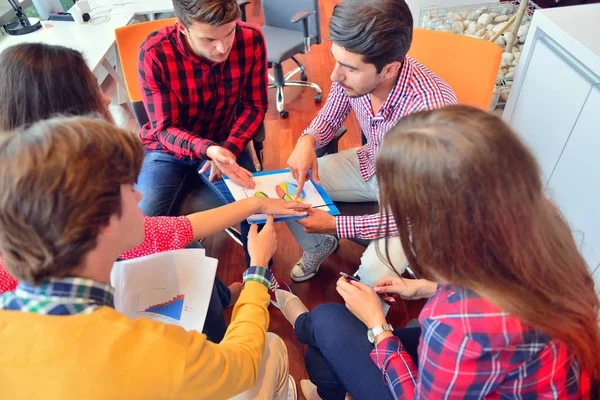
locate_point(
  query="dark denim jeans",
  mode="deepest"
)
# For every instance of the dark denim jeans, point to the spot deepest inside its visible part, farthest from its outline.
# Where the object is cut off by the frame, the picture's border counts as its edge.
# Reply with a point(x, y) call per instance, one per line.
point(338, 355)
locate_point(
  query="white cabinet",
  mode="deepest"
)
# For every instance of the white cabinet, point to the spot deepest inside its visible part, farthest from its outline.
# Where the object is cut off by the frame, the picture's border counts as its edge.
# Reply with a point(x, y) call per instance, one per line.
point(548, 82)
point(555, 106)
point(575, 183)
point(597, 279)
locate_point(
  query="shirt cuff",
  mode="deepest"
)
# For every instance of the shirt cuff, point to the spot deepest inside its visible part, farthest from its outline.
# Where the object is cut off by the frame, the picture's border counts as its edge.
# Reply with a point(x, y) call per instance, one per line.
point(259, 274)
point(314, 134)
point(383, 351)
point(232, 148)
point(346, 226)
point(201, 151)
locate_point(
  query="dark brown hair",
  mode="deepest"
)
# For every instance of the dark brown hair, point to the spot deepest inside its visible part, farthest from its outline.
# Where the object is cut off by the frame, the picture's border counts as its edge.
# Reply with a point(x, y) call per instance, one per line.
point(38, 81)
point(467, 197)
point(60, 181)
point(379, 30)
point(211, 12)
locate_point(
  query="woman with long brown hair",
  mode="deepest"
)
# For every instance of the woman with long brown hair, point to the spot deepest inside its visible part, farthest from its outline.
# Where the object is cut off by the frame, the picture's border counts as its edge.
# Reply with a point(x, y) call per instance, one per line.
point(514, 313)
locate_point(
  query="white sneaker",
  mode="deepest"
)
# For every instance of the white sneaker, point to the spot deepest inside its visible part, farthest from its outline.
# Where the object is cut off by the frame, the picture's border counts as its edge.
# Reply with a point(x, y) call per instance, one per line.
point(309, 264)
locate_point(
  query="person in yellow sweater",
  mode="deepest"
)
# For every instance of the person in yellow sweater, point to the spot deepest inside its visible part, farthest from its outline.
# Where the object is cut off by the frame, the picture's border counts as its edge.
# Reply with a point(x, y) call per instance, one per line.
point(68, 208)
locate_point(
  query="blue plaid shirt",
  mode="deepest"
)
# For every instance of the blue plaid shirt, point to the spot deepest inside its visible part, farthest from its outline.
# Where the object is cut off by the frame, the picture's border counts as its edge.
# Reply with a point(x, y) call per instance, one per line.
point(64, 296)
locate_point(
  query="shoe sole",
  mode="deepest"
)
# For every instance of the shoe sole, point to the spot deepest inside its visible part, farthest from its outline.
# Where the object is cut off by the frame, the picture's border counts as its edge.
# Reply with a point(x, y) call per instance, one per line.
point(312, 274)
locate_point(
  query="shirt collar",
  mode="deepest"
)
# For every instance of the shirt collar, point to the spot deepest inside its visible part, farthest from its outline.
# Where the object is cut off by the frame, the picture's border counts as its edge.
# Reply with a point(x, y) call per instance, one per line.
point(397, 91)
point(68, 290)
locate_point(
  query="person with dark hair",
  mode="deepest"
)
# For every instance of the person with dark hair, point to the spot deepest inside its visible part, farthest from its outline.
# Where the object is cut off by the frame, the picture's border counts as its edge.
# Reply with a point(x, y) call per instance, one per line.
point(513, 314)
point(48, 72)
point(38, 81)
point(375, 78)
point(205, 88)
point(60, 235)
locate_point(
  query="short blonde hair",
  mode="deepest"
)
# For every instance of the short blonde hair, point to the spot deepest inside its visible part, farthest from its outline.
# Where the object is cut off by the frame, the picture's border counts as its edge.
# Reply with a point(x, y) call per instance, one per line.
point(60, 181)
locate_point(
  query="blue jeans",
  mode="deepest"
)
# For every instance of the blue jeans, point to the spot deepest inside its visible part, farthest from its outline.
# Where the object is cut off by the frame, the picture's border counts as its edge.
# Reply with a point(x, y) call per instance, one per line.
point(338, 355)
point(165, 180)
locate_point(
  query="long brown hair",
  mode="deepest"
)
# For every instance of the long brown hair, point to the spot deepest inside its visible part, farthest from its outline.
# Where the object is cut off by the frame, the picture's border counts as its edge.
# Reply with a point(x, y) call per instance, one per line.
point(467, 197)
point(38, 81)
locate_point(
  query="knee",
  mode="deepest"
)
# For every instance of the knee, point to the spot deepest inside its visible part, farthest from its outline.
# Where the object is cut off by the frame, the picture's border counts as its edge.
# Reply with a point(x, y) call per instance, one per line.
point(275, 347)
point(374, 263)
point(329, 322)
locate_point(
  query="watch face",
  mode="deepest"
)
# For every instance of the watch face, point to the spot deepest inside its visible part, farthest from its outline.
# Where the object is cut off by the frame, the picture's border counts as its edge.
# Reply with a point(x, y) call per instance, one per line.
point(370, 336)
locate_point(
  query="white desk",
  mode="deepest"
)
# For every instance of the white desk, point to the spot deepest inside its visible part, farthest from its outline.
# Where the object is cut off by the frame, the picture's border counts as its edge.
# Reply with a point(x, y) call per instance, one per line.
point(94, 40)
point(133, 7)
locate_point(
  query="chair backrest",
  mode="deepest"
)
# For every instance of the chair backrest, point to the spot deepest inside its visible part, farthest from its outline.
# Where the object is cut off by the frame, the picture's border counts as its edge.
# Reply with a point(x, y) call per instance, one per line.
point(470, 66)
point(278, 13)
point(129, 39)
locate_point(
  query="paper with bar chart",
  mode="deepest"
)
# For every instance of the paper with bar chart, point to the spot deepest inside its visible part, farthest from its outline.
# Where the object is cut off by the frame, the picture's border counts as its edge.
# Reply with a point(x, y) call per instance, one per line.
point(281, 185)
point(172, 287)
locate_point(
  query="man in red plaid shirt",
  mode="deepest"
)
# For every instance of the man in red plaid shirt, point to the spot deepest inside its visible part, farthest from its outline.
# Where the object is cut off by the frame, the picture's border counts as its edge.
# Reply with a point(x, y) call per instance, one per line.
point(204, 83)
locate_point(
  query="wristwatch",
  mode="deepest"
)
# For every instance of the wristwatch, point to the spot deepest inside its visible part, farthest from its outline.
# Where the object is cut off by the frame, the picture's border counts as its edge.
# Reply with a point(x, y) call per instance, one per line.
point(378, 330)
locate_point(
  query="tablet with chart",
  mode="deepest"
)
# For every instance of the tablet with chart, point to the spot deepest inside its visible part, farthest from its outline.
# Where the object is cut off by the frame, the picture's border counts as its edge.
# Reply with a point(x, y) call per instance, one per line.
point(281, 185)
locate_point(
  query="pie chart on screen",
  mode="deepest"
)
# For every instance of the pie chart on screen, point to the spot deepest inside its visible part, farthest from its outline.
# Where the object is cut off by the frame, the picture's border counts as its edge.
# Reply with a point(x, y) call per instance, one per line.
point(287, 191)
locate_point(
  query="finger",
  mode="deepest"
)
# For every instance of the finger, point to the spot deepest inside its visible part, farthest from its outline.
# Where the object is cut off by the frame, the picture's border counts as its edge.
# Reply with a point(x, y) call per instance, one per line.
point(344, 284)
point(315, 172)
point(294, 172)
point(270, 222)
point(204, 168)
point(361, 286)
point(384, 289)
point(387, 281)
point(242, 180)
point(296, 205)
point(253, 231)
point(389, 299)
point(211, 176)
point(289, 211)
point(246, 172)
point(301, 180)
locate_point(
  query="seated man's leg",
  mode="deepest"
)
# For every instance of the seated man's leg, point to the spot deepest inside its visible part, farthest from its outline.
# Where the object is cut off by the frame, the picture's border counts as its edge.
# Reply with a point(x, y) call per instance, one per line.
point(374, 265)
point(340, 177)
point(341, 339)
point(272, 382)
point(163, 181)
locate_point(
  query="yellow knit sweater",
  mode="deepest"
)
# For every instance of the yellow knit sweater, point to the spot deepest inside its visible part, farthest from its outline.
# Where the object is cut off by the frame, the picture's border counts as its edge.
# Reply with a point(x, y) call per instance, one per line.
point(105, 355)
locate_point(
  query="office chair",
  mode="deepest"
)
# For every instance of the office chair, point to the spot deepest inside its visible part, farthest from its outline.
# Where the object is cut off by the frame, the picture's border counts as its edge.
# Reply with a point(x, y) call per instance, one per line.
point(285, 38)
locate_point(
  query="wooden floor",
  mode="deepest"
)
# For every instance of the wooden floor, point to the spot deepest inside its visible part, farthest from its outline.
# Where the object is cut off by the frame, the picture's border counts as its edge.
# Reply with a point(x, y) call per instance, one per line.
point(281, 137)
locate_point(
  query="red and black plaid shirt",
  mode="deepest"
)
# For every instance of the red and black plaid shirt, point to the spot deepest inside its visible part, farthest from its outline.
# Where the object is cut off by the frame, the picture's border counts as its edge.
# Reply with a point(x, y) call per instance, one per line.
point(193, 103)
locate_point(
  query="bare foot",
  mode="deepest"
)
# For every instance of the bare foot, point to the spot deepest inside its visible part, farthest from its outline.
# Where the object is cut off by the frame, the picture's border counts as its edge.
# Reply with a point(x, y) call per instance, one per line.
point(235, 289)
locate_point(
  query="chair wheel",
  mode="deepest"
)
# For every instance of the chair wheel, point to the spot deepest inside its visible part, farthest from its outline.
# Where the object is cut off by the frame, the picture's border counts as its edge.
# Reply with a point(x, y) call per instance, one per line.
point(318, 97)
point(303, 77)
point(284, 114)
